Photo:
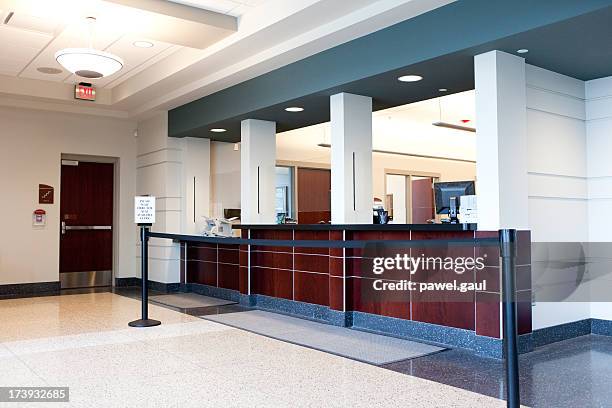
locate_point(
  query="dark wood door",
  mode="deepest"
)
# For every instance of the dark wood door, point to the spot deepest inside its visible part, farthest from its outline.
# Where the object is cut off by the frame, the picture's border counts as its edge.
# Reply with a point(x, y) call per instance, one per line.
point(422, 200)
point(86, 211)
point(313, 195)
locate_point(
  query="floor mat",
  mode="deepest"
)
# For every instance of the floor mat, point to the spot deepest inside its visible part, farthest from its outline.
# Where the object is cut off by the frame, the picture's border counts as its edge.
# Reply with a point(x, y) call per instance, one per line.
point(366, 347)
point(189, 300)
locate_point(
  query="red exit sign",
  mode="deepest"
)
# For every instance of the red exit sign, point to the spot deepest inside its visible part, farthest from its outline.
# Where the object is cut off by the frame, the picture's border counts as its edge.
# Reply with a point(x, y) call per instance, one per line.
point(85, 92)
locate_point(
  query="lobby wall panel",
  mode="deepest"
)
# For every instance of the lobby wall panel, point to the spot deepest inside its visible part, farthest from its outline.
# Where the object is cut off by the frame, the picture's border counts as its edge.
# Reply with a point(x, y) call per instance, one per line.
point(336, 293)
point(488, 314)
point(272, 282)
point(311, 288)
point(269, 259)
point(311, 263)
point(204, 273)
point(228, 276)
point(361, 298)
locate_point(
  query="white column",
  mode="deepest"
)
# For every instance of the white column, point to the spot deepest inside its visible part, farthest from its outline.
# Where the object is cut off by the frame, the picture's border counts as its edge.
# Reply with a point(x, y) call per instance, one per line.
point(501, 141)
point(351, 159)
point(160, 161)
point(257, 172)
point(196, 171)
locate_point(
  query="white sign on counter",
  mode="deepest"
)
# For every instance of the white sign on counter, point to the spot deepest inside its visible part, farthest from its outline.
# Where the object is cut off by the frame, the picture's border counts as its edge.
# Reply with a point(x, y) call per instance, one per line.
point(144, 210)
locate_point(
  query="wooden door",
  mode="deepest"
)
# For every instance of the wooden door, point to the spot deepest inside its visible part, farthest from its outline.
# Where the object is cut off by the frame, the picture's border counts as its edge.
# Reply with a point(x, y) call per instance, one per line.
point(313, 195)
point(422, 199)
point(86, 236)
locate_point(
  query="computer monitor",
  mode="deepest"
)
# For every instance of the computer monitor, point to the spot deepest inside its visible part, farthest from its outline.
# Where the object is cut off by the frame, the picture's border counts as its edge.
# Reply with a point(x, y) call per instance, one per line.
point(445, 191)
point(231, 213)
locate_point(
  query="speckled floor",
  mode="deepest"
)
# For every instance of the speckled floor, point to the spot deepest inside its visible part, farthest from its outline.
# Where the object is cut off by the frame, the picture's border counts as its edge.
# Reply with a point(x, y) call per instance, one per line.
point(572, 373)
point(82, 341)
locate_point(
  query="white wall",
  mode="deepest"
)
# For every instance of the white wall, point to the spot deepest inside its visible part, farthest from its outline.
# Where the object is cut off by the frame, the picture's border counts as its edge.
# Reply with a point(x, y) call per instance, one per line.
point(557, 157)
point(31, 145)
point(196, 170)
point(599, 170)
point(160, 174)
point(166, 170)
point(558, 200)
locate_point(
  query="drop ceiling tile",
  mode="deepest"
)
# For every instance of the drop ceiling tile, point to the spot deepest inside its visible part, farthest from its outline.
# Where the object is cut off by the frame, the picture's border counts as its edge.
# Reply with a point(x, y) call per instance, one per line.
point(127, 73)
point(33, 24)
point(23, 54)
point(19, 38)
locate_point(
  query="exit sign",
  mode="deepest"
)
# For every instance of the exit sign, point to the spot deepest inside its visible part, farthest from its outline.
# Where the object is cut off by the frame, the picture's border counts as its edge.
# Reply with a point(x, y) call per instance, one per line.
point(85, 92)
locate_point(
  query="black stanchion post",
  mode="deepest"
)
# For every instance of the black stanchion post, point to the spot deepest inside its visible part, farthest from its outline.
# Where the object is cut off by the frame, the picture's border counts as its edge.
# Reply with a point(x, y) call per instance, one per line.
point(507, 242)
point(144, 262)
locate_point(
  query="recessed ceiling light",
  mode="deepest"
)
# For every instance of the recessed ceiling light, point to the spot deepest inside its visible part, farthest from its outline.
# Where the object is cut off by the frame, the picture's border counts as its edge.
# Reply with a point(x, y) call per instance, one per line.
point(522, 51)
point(142, 44)
point(443, 90)
point(294, 109)
point(218, 130)
point(410, 78)
point(49, 70)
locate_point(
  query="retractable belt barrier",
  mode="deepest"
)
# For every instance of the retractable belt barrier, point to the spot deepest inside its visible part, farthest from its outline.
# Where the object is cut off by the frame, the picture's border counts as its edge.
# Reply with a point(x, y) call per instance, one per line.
point(507, 246)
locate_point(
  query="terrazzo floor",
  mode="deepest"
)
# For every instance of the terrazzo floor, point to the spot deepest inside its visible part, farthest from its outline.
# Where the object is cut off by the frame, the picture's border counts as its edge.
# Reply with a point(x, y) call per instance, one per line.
point(82, 341)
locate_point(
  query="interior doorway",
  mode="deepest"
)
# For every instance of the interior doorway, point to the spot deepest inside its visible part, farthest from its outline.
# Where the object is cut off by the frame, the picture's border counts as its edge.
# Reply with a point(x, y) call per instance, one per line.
point(86, 224)
point(409, 198)
point(313, 195)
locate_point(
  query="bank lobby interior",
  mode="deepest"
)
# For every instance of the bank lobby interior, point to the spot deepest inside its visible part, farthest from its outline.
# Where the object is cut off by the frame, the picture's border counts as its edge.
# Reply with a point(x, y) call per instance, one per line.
point(286, 146)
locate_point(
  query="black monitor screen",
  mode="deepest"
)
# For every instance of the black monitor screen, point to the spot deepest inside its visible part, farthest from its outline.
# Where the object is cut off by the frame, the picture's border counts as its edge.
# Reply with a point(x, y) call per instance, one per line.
point(231, 213)
point(444, 192)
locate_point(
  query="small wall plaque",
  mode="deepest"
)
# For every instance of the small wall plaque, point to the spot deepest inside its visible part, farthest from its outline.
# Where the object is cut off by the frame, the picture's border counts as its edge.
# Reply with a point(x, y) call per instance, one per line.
point(45, 194)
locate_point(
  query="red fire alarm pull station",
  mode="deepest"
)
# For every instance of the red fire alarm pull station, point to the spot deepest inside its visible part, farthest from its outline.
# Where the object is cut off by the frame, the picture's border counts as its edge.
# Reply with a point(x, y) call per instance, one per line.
point(39, 218)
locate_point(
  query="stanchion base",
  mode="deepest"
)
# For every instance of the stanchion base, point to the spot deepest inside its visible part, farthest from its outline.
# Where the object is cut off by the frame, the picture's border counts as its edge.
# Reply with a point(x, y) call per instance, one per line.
point(144, 323)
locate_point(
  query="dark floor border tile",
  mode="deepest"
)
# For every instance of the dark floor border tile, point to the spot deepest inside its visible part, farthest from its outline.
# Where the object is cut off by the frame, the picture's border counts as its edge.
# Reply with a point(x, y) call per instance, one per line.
point(27, 289)
point(213, 291)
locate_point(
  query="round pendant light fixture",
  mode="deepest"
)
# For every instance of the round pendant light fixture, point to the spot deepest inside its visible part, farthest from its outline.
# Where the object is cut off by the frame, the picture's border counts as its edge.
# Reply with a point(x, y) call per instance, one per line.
point(89, 62)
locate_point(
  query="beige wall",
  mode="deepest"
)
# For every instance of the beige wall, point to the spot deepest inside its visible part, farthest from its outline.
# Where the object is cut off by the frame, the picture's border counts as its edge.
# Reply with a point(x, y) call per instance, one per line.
point(225, 177)
point(31, 145)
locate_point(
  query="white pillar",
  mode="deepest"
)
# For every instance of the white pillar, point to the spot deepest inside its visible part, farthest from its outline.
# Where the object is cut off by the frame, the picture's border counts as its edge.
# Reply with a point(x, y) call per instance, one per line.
point(196, 171)
point(351, 159)
point(257, 172)
point(501, 141)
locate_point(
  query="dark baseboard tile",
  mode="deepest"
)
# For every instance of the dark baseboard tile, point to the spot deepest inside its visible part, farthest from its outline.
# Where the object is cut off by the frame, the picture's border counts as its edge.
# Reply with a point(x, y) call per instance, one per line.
point(28, 289)
point(553, 334)
point(601, 327)
point(153, 285)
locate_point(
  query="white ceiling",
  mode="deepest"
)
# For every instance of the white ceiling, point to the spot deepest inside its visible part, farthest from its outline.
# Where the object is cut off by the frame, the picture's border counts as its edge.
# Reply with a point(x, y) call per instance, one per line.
point(406, 129)
point(232, 7)
point(29, 40)
point(200, 46)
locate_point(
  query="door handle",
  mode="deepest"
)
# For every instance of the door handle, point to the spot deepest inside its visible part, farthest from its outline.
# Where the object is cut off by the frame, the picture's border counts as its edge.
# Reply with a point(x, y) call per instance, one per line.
point(87, 227)
point(63, 227)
